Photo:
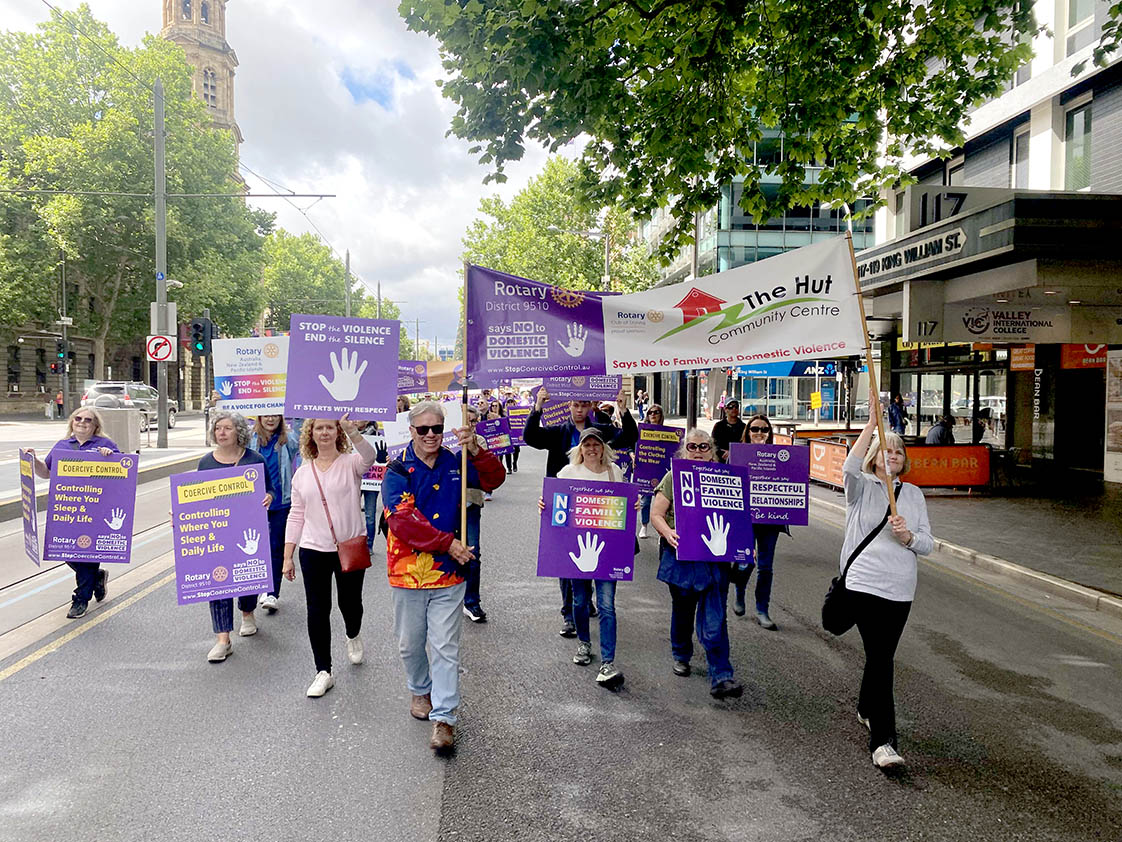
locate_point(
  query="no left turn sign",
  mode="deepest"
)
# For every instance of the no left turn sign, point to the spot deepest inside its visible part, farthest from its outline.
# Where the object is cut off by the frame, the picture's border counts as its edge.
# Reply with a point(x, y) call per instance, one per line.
point(160, 349)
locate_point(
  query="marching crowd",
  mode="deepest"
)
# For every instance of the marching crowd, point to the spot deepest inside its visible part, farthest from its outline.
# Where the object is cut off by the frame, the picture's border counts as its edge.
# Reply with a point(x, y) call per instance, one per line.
point(316, 504)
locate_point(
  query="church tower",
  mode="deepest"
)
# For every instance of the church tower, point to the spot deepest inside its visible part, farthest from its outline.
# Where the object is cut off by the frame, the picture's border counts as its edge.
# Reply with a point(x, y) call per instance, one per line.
point(199, 27)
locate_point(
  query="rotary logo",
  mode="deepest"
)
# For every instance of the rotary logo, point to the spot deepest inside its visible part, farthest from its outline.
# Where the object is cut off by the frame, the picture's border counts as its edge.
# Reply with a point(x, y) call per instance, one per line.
point(977, 320)
point(251, 474)
point(84, 541)
point(271, 350)
point(783, 455)
point(567, 297)
point(419, 368)
point(126, 463)
point(627, 570)
point(220, 574)
point(578, 382)
point(655, 316)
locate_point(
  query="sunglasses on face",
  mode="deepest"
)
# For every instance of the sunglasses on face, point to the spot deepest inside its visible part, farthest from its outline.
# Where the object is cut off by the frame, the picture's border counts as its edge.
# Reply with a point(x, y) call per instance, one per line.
point(759, 429)
point(82, 419)
point(425, 429)
point(701, 446)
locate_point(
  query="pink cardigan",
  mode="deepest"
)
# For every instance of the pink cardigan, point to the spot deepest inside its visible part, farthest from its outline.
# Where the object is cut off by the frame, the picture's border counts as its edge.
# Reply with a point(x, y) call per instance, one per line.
point(307, 523)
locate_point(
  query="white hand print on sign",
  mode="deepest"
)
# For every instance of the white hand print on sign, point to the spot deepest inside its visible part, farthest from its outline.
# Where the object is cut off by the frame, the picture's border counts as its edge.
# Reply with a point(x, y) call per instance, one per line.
point(590, 547)
point(346, 375)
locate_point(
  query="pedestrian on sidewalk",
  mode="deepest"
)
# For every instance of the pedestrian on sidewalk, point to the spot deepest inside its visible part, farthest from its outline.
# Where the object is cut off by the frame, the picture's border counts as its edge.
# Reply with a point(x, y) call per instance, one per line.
point(60, 401)
point(230, 434)
point(882, 578)
point(558, 441)
point(83, 433)
point(425, 559)
point(698, 589)
point(511, 458)
point(594, 460)
point(897, 415)
point(326, 512)
point(758, 431)
point(655, 416)
point(281, 453)
point(473, 608)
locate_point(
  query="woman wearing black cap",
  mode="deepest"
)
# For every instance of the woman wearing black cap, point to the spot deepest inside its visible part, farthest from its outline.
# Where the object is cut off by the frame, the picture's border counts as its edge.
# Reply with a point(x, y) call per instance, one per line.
point(728, 430)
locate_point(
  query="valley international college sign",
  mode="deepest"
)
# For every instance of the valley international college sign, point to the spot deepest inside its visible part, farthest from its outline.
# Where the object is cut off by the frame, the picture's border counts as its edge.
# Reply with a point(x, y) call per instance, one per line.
point(1004, 323)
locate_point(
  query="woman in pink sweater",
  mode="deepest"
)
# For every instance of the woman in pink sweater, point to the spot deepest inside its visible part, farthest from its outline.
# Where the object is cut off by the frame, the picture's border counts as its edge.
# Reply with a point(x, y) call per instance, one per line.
point(325, 445)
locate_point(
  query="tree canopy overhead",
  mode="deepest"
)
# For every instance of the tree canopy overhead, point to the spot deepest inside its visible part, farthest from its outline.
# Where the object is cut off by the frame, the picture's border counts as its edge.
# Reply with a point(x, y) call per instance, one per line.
point(675, 94)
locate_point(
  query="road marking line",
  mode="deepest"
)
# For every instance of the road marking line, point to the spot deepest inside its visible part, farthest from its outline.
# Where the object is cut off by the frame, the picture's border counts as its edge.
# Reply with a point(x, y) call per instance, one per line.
point(82, 629)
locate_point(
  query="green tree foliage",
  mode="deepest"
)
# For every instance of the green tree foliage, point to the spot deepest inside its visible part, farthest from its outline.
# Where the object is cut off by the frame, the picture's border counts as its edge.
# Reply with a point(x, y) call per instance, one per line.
point(674, 94)
point(1108, 39)
point(303, 276)
point(76, 115)
point(369, 310)
point(536, 236)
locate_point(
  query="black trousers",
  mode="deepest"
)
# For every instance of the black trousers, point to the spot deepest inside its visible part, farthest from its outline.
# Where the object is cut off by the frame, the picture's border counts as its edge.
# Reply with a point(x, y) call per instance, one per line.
point(880, 622)
point(317, 569)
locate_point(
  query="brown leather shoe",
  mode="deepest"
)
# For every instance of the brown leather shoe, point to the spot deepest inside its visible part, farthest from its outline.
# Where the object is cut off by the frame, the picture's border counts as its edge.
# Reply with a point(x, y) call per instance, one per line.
point(421, 706)
point(443, 737)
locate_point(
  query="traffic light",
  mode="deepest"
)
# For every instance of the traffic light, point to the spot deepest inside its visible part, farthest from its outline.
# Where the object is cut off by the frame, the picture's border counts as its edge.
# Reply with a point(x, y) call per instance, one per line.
point(201, 331)
point(60, 349)
point(56, 368)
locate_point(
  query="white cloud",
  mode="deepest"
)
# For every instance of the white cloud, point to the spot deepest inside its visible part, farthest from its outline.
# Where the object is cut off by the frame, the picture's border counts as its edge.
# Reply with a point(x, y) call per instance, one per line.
point(406, 193)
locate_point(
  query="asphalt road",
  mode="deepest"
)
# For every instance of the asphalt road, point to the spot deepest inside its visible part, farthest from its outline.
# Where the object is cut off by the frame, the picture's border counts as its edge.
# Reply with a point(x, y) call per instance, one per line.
point(1007, 705)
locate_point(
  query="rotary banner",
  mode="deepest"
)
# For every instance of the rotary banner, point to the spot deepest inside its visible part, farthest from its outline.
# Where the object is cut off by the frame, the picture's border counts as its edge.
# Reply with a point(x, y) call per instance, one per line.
point(795, 306)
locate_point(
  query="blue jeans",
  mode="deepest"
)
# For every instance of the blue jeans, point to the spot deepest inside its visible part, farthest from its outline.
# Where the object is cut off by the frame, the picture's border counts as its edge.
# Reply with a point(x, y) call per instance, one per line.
point(566, 599)
point(606, 602)
point(222, 612)
point(85, 578)
point(645, 508)
point(471, 569)
point(370, 509)
point(765, 558)
point(433, 616)
point(712, 628)
point(278, 519)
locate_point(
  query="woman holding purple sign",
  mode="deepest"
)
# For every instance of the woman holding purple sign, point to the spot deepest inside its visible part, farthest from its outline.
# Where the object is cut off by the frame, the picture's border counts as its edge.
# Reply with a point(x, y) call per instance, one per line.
point(230, 434)
point(282, 456)
point(698, 589)
point(655, 415)
point(83, 432)
point(512, 457)
point(758, 431)
point(326, 513)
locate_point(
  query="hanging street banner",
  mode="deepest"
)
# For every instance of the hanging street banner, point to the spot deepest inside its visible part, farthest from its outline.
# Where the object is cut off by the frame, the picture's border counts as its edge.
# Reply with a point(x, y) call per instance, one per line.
point(605, 387)
point(798, 305)
point(653, 452)
point(419, 376)
point(220, 532)
point(710, 514)
point(496, 432)
point(778, 481)
point(516, 416)
point(90, 507)
point(27, 505)
point(522, 328)
point(250, 374)
point(338, 365)
point(587, 530)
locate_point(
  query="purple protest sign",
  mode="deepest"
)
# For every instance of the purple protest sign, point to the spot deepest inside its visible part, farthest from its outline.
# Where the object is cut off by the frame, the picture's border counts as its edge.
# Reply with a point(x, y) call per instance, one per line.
point(601, 387)
point(555, 412)
point(521, 328)
point(625, 459)
point(220, 532)
point(587, 530)
point(412, 377)
point(90, 507)
point(778, 481)
point(710, 516)
point(653, 452)
point(338, 365)
point(516, 416)
point(497, 433)
point(27, 505)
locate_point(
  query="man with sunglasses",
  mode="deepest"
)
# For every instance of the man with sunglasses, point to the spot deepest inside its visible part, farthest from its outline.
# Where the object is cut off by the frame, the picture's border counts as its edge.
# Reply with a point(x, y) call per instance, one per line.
point(425, 557)
point(728, 429)
point(558, 440)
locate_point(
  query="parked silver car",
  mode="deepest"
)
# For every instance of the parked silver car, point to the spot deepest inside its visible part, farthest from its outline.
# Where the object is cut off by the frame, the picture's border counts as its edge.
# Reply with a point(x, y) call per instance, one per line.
point(119, 394)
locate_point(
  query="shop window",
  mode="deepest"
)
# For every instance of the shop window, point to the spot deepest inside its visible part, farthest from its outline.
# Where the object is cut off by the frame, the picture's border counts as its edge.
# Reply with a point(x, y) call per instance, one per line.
point(1020, 162)
point(13, 368)
point(1077, 148)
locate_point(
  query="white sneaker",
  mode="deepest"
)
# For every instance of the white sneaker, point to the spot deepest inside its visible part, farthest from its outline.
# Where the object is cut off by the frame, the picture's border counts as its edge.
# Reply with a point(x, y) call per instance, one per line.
point(886, 758)
point(320, 684)
point(269, 603)
point(354, 649)
point(219, 652)
point(643, 531)
point(249, 625)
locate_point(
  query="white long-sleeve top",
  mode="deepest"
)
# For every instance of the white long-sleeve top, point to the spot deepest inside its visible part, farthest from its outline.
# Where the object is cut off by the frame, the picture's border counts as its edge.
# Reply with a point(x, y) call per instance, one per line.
point(885, 568)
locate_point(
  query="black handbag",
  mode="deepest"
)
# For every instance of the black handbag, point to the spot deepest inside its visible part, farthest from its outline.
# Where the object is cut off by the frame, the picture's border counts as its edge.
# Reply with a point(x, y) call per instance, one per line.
point(837, 608)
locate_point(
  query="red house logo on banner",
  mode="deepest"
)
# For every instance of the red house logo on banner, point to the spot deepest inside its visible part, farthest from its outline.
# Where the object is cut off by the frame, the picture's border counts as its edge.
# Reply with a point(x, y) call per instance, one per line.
point(698, 303)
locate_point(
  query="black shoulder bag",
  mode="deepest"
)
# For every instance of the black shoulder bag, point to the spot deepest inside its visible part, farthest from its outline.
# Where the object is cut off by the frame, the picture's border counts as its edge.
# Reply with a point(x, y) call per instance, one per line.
point(837, 609)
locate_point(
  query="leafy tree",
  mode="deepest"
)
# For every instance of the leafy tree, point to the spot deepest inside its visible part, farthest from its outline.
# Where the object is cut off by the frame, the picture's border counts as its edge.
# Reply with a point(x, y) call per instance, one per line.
point(303, 276)
point(675, 94)
point(1108, 40)
point(369, 310)
point(77, 116)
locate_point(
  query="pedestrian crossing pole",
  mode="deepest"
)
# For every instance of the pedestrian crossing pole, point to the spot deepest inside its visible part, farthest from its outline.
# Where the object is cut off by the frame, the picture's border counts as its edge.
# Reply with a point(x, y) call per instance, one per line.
point(874, 394)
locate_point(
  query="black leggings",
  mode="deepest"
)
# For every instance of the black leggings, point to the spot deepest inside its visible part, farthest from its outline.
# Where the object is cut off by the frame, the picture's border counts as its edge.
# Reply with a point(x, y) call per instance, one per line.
point(512, 458)
point(880, 622)
point(317, 568)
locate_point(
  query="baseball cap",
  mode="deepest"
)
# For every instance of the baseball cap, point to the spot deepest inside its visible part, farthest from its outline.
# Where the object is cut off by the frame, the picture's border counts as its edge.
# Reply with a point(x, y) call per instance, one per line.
point(592, 432)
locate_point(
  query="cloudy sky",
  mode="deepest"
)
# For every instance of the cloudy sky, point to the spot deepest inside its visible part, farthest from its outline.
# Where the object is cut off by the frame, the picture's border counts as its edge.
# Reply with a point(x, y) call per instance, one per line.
point(337, 97)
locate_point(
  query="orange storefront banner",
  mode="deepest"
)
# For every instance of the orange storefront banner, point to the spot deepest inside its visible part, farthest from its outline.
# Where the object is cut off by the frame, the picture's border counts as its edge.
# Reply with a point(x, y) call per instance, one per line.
point(1082, 356)
point(1022, 358)
point(952, 465)
point(826, 461)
